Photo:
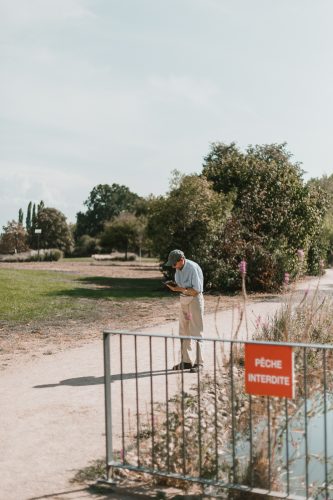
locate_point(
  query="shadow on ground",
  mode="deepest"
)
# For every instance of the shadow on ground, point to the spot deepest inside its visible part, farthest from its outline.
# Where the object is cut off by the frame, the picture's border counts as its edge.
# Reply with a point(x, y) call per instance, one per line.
point(103, 492)
point(100, 287)
point(82, 381)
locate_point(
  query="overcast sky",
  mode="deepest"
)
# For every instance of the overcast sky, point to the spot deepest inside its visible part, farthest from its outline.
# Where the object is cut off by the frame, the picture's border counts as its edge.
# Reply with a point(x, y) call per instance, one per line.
point(125, 91)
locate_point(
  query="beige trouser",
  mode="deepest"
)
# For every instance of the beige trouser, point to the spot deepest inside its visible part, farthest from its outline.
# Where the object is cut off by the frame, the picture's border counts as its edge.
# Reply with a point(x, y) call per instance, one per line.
point(191, 325)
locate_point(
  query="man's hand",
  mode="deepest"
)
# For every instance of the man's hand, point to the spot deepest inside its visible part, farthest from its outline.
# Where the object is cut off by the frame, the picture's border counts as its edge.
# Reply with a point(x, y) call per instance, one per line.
point(191, 292)
point(186, 291)
point(174, 287)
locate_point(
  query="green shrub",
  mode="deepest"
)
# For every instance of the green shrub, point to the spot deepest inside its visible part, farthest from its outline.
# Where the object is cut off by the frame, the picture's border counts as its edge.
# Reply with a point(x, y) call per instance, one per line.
point(274, 213)
point(52, 254)
point(86, 246)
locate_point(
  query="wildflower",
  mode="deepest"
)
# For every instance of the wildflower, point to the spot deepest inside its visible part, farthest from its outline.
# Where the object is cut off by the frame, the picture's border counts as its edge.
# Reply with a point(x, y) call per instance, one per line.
point(286, 278)
point(300, 254)
point(242, 267)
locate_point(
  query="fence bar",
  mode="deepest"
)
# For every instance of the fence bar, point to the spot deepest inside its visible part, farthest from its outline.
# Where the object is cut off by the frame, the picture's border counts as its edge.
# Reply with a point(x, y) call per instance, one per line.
point(229, 486)
point(287, 444)
point(269, 441)
point(325, 423)
point(329, 347)
point(233, 430)
point(251, 439)
point(137, 401)
point(122, 402)
point(199, 412)
point(108, 402)
point(305, 374)
point(152, 404)
point(215, 415)
point(183, 414)
point(167, 401)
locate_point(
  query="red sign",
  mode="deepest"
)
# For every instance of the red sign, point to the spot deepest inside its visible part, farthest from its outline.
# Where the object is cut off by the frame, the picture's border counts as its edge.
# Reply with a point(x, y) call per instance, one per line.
point(269, 370)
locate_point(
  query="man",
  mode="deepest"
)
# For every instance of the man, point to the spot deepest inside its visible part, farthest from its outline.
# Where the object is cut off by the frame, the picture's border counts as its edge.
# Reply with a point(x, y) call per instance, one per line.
point(189, 282)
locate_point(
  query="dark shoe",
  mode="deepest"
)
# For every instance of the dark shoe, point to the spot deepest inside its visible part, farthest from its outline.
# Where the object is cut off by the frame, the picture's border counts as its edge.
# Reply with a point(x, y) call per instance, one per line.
point(182, 366)
point(195, 368)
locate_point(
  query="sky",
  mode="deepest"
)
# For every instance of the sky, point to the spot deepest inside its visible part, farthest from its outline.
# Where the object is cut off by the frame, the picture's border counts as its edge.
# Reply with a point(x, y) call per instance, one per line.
point(126, 91)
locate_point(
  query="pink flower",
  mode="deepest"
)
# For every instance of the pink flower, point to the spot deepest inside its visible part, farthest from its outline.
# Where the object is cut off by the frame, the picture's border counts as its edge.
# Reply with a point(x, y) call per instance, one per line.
point(300, 254)
point(242, 267)
point(286, 278)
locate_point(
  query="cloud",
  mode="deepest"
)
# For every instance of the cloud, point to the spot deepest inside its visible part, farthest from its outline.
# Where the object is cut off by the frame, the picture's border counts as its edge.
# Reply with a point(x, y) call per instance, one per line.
point(19, 13)
point(198, 91)
point(21, 184)
point(94, 92)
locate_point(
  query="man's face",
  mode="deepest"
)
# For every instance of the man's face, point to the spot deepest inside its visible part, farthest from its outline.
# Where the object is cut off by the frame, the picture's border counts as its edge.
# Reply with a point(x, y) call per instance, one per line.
point(179, 264)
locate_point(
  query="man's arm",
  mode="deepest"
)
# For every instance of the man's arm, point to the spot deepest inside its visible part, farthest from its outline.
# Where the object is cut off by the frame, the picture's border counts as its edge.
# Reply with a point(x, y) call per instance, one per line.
point(186, 291)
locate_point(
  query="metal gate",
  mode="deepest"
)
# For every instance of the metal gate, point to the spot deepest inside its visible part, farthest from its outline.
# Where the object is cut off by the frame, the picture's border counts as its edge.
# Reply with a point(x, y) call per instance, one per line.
point(203, 427)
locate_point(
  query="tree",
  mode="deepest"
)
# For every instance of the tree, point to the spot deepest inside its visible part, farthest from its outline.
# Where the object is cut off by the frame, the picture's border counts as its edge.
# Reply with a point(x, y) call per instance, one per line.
point(190, 217)
point(20, 216)
point(32, 212)
point(103, 204)
point(124, 233)
point(40, 206)
point(33, 216)
point(28, 217)
point(324, 186)
point(14, 238)
point(86, 246)
point(55, 232)
point(274, 212)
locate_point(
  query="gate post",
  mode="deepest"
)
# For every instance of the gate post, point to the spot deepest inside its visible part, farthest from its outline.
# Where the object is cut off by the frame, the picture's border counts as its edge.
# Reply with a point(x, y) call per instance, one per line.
point(108, 407)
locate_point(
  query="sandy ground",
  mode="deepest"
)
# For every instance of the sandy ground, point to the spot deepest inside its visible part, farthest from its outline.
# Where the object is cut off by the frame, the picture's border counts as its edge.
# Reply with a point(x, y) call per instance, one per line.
point(52, 394)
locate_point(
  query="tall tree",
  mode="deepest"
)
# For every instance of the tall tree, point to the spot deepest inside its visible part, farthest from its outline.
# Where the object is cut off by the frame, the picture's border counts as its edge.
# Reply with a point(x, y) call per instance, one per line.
point(14, 238)
point(20, 216)
point(103, 204)
point(123, 233)
point(324, 186)
point(33, 216)
point(40, 206)
point(191, 217)
point(55, 232)
point(28, 217)
point(274, 212)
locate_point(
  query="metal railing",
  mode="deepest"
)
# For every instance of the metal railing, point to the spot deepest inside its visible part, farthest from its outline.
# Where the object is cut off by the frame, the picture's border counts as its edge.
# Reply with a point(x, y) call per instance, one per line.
point(202, 427)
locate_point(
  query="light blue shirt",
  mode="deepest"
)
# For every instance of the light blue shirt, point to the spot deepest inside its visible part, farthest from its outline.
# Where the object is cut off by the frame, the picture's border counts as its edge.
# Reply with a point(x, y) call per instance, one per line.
point(190, 276)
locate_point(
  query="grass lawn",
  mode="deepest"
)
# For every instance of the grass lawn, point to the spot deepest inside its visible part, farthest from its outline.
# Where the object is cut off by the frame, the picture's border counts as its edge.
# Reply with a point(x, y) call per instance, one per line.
point(78, 259)
point(151, 260)
point(27, 295)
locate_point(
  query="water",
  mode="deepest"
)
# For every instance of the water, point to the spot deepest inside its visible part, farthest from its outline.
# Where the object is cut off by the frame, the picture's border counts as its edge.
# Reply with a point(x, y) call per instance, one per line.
point(315, 446)
point(297, 443)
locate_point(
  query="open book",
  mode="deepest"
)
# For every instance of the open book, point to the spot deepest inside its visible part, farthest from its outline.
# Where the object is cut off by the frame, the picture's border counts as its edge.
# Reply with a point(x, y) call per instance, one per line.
point(170, 282)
